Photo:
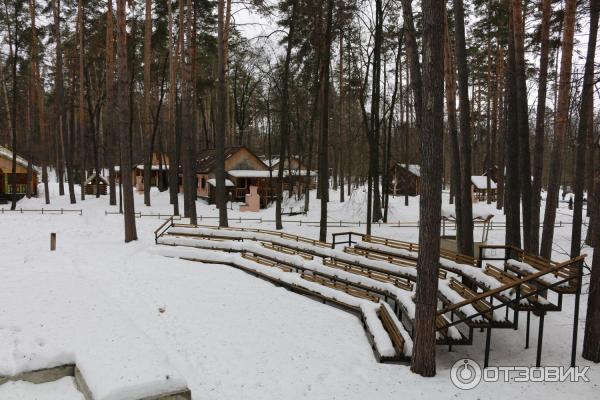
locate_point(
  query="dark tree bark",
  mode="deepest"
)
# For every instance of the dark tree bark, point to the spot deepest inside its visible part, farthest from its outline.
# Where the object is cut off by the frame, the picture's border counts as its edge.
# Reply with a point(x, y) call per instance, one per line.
point(187, 121)
point(540, 118)
point(584, 118)
point(388, 143)
point(323, 138)
point(560, 129)
point(431, 150)
point(60, 101)
point(591, 339)
point(512, 190)
point(172, 131)
point(284, 127)
point(124, 123)
point(109, 110)
point(523, 123)
point(465, 240)
point(450, 86)
point(374, 130)
point(147, 123)
point(221, 118)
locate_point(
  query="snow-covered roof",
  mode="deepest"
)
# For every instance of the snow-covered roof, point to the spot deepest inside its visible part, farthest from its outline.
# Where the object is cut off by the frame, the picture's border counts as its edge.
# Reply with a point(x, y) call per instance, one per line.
point(480, 182)
point(4, 152)
point(250, 173)
point(153, 167)
point(480, 212)
point(213, 182)
point(272, 162)
point(91, 178)
point(414, 169)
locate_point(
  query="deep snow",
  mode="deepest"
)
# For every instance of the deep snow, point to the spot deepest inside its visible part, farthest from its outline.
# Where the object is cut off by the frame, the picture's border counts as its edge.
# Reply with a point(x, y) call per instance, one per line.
point(227, 334)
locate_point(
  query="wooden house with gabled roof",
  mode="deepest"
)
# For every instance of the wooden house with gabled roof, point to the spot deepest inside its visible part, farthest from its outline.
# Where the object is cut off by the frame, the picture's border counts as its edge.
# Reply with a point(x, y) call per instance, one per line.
point(404, 179)
point(21, 178)
point(242, 169)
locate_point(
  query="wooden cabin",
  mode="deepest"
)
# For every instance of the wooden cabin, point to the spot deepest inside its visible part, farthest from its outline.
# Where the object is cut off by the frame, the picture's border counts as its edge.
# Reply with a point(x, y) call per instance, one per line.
point(294, 173)
point(159, 170)
point(405, 180)
point(95, 182)
point(243, 169)
point(20, 178)
point(479, 188)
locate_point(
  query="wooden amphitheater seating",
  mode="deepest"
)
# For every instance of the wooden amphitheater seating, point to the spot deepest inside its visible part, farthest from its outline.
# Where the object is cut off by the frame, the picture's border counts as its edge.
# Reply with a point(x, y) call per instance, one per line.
point(391, 329)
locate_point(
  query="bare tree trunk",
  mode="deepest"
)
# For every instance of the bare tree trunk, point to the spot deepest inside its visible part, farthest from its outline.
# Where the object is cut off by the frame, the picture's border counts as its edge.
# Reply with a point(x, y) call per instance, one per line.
point(221, 117)
point(172, 131)
point(109, 109)
point(465, 240)
point(591, 339)
point(60, 101)
point(388, 147)
point(500, 142)
point(81, 114)
point(323, 138)
point(341, 132)
point(523, 123)
point(187, 123)
point(431, 150)
point(284, 128)
point(450, 86)
point(586, 98)
point(560, 129)
point(148, 100)
point(374, 128)
point(124, 123)
point(512, 205)
point(540, 118)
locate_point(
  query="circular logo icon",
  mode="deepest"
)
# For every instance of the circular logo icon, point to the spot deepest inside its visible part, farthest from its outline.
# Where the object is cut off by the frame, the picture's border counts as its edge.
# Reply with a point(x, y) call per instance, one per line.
point(465, 374)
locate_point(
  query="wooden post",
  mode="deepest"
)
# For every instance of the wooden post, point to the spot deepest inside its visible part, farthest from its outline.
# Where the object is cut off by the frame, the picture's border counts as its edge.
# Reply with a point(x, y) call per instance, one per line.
point(52, 241)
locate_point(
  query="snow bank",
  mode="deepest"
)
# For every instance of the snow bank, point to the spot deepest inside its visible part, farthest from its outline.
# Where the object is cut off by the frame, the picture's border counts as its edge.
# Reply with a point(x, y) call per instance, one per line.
point(57, 317)
point(63, 389)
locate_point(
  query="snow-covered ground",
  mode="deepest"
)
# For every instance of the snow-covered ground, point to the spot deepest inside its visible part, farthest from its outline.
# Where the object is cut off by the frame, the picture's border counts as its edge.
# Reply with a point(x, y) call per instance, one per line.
point(131, 319)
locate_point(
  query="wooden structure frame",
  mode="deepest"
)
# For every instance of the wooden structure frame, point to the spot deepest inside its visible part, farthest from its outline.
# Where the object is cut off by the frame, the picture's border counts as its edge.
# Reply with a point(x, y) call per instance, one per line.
point(22, 179)
point(405, 179)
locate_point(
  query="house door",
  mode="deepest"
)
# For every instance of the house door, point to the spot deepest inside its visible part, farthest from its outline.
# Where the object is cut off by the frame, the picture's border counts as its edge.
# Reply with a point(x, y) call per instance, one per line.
point(1, 181)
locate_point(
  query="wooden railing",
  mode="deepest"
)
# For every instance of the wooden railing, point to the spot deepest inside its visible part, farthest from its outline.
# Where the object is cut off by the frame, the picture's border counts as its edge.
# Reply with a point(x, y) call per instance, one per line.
point(42, 211)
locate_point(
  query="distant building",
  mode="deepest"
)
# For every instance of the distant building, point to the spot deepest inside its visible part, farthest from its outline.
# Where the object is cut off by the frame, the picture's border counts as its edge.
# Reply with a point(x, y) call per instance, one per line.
point(96, 183)
point(243, 169)
point(404, 179)
point(480, 190)
point(294, 171)
point(20, 178)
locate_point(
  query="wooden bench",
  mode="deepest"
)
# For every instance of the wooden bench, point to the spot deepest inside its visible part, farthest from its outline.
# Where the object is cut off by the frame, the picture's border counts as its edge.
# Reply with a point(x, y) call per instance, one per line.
point(391, 329)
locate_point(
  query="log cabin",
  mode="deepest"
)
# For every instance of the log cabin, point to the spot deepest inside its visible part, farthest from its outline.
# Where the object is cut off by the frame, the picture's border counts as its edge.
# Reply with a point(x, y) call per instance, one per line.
point(243, 169)
point(294, 172)
point(404, 180)
point(21, 177)
point(479, 188)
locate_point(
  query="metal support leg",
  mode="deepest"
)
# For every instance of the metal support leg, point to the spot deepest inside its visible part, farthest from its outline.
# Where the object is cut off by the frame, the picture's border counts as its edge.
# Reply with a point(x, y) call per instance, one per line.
point(517, 304)
point(488, 338)
point(538, 359)
point(576, 320)
point(527, 330)
point(451, 320)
